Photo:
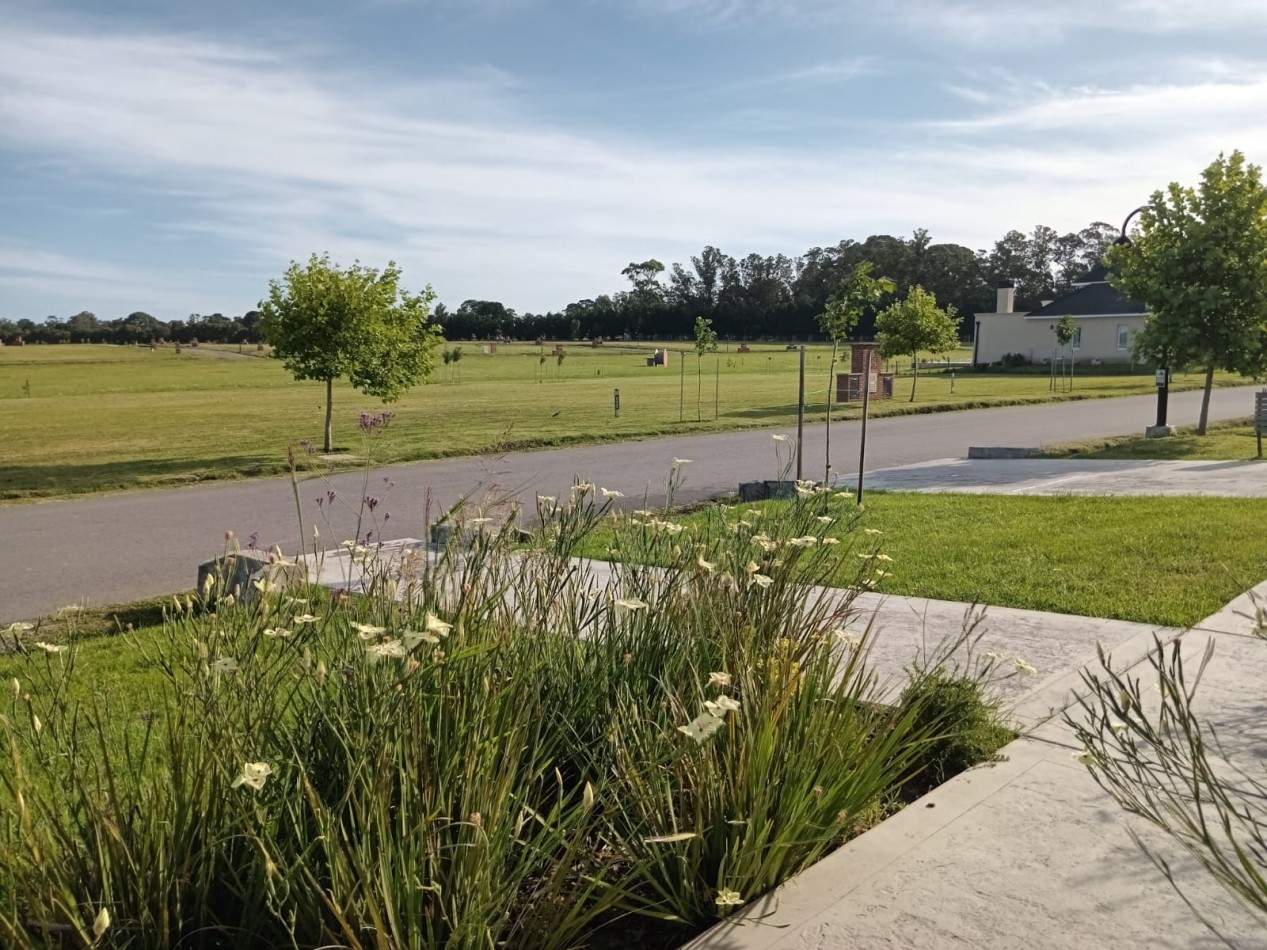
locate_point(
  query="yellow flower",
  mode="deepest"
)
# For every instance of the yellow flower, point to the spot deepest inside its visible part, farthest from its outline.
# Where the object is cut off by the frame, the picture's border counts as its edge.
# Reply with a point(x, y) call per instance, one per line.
point(100, 923)
point(587, 797)
point(728, 898)
point(253, 775)
point(437, 626)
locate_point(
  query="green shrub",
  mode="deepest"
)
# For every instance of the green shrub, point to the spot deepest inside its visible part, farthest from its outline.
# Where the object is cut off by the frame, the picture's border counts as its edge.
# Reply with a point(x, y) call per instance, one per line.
point(963, 722)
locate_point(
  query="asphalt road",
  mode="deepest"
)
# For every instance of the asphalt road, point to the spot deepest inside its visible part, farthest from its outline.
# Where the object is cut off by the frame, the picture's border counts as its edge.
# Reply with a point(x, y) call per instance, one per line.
point(115, 548)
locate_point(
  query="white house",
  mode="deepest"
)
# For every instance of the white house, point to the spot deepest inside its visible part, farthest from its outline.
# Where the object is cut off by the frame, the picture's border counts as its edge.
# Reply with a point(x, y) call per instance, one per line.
point(1105, 324)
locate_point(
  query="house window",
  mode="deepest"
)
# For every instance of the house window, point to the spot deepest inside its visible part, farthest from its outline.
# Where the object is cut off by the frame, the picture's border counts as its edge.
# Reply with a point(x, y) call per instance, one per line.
point(1076, 343)
point(1123, 337)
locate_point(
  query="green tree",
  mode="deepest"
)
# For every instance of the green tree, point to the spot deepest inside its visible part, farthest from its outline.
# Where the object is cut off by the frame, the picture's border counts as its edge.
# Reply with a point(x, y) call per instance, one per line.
point(913, 325)
point(705, 342)
point(327, 323)
point(1199, 262)
point(1065, 331)
point(856, 291)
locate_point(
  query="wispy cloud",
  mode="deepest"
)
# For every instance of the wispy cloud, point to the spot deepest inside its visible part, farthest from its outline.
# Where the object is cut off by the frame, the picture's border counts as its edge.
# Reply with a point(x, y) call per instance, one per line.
point(276, 155)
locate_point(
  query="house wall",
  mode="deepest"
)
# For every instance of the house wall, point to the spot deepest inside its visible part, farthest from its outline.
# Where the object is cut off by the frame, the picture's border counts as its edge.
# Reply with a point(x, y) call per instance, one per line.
point(1001, 333)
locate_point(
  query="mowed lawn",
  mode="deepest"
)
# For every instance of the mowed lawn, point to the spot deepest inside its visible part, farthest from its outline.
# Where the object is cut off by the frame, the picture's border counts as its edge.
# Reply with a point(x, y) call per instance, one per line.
point(81, 418)
point(1169, 561)
point(1228, 441)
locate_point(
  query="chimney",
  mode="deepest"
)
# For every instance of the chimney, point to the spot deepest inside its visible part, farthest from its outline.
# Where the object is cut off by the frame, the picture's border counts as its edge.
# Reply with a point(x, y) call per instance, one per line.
point(1006, 296)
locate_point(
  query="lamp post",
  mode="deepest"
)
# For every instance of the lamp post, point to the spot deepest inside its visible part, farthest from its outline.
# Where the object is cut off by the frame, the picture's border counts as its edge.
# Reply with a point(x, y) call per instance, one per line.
point(1162, 376)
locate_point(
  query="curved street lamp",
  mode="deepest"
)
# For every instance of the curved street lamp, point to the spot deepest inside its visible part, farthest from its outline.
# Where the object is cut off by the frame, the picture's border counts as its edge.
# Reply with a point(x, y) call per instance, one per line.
point(1163, 370)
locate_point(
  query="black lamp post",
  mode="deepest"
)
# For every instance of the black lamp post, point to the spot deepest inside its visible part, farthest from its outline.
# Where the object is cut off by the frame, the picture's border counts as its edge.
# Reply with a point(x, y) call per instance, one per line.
point(1163, 370)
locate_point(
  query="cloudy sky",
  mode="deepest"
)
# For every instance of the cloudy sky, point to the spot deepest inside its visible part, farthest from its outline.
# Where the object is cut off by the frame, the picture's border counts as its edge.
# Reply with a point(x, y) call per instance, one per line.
point(173, 155)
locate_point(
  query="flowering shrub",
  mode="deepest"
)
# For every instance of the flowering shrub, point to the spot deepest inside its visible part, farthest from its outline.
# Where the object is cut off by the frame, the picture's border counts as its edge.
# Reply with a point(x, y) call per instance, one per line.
point(495, 745)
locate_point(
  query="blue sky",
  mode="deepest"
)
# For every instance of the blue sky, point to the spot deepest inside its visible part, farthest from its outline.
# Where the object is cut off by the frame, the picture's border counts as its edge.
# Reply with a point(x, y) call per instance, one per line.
point(173, 155)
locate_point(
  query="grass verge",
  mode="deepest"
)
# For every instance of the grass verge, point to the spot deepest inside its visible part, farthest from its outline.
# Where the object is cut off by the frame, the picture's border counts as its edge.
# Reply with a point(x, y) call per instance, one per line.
point(1231, 440)
point(1171, 561)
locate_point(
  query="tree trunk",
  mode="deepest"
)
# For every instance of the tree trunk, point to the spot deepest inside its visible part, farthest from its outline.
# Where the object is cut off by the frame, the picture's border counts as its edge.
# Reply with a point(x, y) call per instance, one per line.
point(1205, 398)
point(329, 413)
point(914, 374)
point(831, 382)
point(699, 389)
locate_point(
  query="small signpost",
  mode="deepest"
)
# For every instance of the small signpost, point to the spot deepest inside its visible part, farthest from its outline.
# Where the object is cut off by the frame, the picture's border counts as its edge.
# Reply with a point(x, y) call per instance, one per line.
point(616, 400)
point(1260, 418)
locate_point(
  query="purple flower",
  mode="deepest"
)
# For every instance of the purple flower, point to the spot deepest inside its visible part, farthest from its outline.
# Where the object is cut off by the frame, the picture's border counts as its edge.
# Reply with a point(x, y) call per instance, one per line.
point(371, 502)
point(253, 540)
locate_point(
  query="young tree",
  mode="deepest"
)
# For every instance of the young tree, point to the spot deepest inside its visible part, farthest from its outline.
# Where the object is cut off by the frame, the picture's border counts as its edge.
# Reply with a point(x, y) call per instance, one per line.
point(1198, 263)
point(916, 324)
point(705, 342)
point(1065, 331)
point(327, 323)
point(856, 291)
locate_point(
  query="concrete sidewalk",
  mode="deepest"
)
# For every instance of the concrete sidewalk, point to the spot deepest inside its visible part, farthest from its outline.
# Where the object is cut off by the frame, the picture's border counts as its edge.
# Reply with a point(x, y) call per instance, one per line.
point(1070, 476)
point(1029, 853)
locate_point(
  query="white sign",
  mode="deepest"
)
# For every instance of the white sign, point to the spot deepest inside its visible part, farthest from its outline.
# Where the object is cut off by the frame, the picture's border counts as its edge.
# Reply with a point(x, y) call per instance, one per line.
point(1161, 377)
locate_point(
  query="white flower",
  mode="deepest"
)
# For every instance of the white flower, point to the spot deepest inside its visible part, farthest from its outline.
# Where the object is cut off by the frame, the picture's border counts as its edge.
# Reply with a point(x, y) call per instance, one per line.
point(761, 580)
point(583, 488)
point(411, 639)
point(367, 631)
point(478, 521)
point(276, 632)
point(305, 618)
point(826, 519)
point(612, 493)
point(253, 775)
point(1023, 667)
point(706, 566)
point(51, 647)
point(880, 575)
point(681, 461)
point(702, 726)
point(728, 898)
point(829, 541)
point(587, 797)
point(846, 637)
point(779, 437)
point(643, 513)
point(101, 923)
point(1084, 756)
point(631, 603)
point(20, 627)
point(993, 655)
point(548, 500)
point(719, 679)
point(226, 664)
point(70, 609)
point(437, 626)
point(872, 531)
point(807, 541)
point(36, 724)
point(751, 567)
point(1118, 726)
point(377, 651)
point(721, 705)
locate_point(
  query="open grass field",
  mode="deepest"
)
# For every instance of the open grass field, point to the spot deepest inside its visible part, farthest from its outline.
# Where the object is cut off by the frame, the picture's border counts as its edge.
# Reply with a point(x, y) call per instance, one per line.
point(1229, 440)
point(83, 418)
point(1171, 561)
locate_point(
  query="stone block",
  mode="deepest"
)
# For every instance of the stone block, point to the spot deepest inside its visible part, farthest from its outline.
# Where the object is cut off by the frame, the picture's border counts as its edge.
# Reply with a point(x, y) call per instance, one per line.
point(1002, 452)
point(236, 573)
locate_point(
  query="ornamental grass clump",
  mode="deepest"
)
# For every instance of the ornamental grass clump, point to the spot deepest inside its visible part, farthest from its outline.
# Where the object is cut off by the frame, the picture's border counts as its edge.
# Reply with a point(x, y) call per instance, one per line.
point(495, 744)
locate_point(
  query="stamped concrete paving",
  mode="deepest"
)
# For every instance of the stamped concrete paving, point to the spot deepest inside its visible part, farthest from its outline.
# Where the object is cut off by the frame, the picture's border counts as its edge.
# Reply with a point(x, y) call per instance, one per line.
point(1241, 479)
point(1029, 853)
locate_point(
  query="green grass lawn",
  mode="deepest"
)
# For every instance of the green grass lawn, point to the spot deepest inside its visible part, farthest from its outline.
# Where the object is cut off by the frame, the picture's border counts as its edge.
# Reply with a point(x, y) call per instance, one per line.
point(1228, 440)
point(82, 418)
point(1171, 561)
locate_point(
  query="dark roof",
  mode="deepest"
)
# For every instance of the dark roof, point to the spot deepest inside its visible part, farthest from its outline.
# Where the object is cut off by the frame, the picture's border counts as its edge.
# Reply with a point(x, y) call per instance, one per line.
point(1094, 276)
point(1090, 301)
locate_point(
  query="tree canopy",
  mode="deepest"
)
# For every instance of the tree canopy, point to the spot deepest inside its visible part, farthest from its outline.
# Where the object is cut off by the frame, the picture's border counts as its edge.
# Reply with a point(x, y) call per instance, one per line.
point(913, 325)
point(1199, 262)
point(326, 323)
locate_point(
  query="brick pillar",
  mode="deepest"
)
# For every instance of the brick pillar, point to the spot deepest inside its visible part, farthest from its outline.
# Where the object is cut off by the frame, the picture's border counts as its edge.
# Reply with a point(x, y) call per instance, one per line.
point(858, 363)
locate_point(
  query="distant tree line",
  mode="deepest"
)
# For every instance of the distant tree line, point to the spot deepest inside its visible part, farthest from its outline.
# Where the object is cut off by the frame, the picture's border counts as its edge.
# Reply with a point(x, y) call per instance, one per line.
point(752, 297)
point(782, 297)
point(138, 327)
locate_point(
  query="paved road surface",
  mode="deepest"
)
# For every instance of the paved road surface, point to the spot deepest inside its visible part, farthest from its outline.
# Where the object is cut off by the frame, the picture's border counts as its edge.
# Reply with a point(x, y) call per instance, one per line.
point(120, 547)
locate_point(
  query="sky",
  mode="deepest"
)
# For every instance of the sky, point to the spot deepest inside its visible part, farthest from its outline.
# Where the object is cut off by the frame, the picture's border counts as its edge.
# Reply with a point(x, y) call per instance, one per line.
point(173, 156)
